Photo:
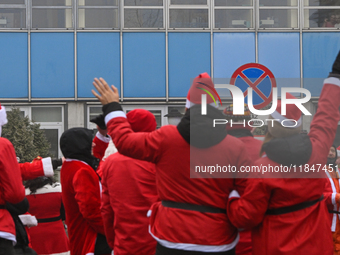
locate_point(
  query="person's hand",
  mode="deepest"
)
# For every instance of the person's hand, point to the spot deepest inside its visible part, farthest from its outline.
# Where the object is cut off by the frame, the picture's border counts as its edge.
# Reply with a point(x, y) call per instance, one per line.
point(106, 94)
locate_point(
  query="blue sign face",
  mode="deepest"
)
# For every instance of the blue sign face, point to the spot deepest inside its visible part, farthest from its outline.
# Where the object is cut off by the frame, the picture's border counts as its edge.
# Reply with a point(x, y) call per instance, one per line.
point(259, 78)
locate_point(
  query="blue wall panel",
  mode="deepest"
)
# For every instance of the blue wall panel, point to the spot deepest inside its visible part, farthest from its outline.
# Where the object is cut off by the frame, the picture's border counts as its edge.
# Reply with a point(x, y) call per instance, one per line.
point(280, 52)
point(231, 50)
point(52, 60)
point(98, 56)
point(319, 53)
point(189, 55)
point(144, 64)
point(13, 65)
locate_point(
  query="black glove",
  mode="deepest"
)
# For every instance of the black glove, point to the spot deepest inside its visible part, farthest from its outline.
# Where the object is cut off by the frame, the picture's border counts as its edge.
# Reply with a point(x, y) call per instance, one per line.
point(100, 121)
point(56, 163)
point(336, 65)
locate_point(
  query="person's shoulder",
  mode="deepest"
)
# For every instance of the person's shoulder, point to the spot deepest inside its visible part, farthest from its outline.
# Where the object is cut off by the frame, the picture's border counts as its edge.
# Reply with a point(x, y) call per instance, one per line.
point(5, 142)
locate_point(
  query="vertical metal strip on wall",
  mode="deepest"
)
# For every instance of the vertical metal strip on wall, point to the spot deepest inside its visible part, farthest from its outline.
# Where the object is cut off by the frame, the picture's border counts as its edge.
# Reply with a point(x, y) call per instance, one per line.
point(165, 19)
point(75, 22)
point(301, 22)
point(121, 3)
point(28, 25)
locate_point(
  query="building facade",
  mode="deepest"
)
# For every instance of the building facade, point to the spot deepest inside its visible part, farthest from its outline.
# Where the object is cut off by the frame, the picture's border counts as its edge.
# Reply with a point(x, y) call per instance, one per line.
point(51, 50)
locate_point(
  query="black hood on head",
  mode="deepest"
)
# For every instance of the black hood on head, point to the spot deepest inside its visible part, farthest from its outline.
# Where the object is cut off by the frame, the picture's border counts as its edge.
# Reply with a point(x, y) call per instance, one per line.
point(291, 150)
point(198, 129)
point(76, 143)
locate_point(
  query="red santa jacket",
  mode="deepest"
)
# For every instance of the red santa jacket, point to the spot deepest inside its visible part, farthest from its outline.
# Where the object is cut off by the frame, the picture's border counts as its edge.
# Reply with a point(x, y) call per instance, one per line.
point(81, 198)
point(129, 190)
point(253, 146)
point(49, 237)
point(306, 231)
point(12, 190)
point(100, 144)
point(38, 167)
point(169, 148)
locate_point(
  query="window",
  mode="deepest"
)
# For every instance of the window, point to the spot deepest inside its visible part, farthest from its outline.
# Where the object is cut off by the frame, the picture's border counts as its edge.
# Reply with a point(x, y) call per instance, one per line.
point(12, 14)
point(322, 13)
point(278, 14)
point(52, 14)
point(98, 14)
point(50, 119)
point(189, 14)
point(93, 112)
point(143, 14)
point(157, 111)
point(234, 14)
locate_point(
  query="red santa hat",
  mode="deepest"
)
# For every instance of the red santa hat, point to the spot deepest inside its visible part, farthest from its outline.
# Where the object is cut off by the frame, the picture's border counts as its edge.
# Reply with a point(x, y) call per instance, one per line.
point(202, 84)
point(292, 120)
point(3, 117)
point(141, 120)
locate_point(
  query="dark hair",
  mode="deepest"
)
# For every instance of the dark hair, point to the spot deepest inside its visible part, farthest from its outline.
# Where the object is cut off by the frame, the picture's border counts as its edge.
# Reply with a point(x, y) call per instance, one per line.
point(38, 183)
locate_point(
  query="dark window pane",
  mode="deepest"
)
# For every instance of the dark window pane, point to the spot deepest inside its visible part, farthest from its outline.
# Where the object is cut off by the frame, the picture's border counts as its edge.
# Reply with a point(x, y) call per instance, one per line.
point(274, 18)
point(52, 137)
point(12, 1)
point(233, 18)
point(322, 2)
point(233, 2)
point(46, 114)
point(13, 18)
point(322, 18)
point(98, 2)
point(98, 18)
point(52, 18)
point(278, 3)
point(194, 18)
point(193, 2)
point(134, 18)
point(143, 2)
point(51, 3)
point(158, 117)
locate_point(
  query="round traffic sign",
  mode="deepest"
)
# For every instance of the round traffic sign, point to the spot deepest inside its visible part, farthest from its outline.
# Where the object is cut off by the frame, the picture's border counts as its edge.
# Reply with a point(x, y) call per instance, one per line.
point(259, 78)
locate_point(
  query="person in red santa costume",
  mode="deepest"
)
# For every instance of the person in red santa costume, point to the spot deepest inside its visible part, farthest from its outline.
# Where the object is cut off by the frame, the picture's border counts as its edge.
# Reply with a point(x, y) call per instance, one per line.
point(44, 197)
point(81, 194)
point(191, 217)
point(332, 196)
point(12, 191)
point(238, 126)
point(129, 190)
point(287, 211)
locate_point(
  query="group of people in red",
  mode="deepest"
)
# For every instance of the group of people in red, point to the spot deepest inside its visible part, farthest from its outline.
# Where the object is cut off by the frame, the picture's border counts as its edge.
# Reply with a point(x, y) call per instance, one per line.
point(143, 199)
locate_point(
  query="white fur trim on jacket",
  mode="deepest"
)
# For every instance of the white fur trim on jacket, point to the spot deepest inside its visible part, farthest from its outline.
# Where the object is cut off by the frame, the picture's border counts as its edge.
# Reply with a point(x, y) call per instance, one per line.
point(196, 247)
point(332, 80)
point(113, 115)
point(234, 193)
point(291, 124)
point(105, 139)
point(47, 166)
point(8, 236)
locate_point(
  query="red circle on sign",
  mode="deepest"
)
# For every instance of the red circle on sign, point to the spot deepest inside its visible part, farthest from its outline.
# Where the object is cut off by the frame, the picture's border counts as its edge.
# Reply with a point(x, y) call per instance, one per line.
point(266, 72)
